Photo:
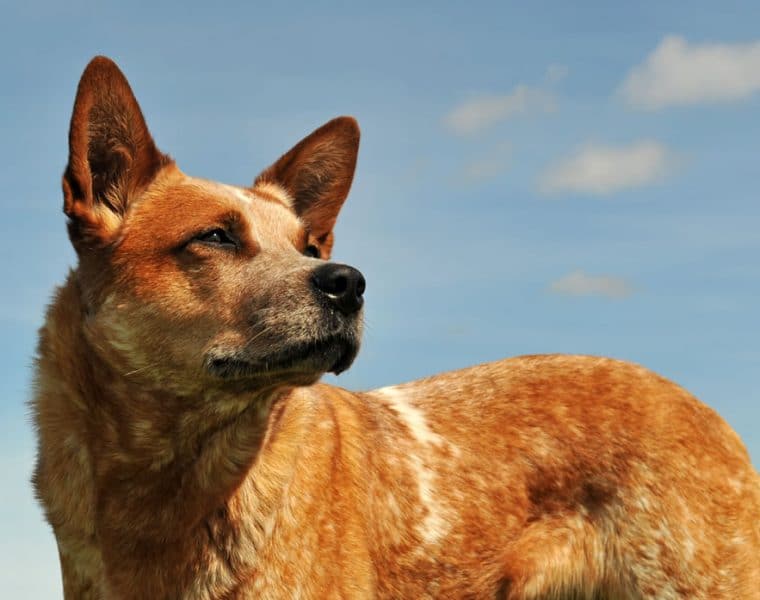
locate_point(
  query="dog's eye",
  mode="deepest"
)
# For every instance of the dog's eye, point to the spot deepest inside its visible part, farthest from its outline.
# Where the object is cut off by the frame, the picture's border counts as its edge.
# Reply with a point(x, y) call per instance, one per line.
point(312, 250)
point(216, 237)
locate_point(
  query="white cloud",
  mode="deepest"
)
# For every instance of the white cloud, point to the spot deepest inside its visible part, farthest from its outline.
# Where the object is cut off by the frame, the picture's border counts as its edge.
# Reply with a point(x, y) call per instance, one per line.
point(579, 283)
point(679, 73)
point(598, 169)
point(482, 112)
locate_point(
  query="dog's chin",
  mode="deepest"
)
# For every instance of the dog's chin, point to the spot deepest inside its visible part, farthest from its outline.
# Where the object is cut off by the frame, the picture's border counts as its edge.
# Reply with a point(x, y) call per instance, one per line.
point(297, 364)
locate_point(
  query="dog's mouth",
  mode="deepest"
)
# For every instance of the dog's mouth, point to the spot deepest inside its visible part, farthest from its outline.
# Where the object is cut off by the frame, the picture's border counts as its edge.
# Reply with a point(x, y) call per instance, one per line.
point(333, 354)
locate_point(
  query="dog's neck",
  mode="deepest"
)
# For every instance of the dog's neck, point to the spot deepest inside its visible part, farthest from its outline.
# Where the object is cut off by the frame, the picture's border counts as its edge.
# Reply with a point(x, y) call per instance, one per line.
point(162, 458)
point(166, 479)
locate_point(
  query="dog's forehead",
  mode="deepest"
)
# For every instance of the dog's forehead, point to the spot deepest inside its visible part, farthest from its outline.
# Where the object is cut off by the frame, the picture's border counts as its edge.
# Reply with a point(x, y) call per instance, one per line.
point(244, 197)
point(269, 201)
point(267, 206)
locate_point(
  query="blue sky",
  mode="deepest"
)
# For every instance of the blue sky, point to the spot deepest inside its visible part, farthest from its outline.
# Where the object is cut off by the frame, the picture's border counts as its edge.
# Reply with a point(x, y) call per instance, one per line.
point(558, 177)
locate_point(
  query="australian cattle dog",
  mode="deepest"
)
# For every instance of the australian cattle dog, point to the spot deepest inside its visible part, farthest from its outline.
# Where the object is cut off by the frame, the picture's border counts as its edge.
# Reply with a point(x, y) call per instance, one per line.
point(187, 450)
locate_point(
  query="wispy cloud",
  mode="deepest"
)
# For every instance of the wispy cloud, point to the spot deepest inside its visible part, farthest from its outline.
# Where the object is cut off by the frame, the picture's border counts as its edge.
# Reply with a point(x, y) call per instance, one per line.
point(598, 169)
point(678, 73)
point(580, 283)
point(556, 73)
point(481, 112)
point(487, 167)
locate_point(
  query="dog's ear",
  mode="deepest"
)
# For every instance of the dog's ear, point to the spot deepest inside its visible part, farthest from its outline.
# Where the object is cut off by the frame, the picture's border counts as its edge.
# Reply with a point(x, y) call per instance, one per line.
point(317, 174)
point(112, 156)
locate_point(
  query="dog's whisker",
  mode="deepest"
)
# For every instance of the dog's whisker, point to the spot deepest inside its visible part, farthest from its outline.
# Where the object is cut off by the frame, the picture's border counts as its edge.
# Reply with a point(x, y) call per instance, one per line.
point(141, 369)
point(258, 335)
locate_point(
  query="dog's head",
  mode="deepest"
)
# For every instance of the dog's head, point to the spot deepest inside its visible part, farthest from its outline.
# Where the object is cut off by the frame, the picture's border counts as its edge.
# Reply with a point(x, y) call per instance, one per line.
point(191, 282)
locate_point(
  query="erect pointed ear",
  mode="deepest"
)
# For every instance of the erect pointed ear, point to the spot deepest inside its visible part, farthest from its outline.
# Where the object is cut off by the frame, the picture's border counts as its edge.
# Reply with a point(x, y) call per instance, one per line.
point(112, 156)
point(317, 175)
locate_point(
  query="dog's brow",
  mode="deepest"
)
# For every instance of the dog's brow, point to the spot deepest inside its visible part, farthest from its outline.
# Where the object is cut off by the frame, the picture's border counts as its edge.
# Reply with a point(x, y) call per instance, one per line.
point(273, 225)
point(239, 193)
point(261, 193)
point(273, 193)
point(269, 197)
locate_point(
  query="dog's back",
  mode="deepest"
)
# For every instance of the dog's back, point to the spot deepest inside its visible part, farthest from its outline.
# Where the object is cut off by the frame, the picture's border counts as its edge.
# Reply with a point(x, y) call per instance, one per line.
point(581, 476)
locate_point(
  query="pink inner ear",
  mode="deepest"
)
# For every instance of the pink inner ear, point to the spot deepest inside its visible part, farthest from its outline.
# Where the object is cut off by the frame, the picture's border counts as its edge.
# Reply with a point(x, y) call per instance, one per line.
point(317, 173)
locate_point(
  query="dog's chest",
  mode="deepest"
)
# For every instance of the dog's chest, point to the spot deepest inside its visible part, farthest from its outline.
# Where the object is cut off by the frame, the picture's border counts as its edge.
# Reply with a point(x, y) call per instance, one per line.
point(307, 552)
point(355, 519)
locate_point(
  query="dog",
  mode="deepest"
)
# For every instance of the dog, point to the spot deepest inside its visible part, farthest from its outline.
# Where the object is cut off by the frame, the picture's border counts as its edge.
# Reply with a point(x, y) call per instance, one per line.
point(187, 450)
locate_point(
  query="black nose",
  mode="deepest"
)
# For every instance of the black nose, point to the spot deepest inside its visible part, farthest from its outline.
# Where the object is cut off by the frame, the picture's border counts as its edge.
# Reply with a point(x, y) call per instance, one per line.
point(342, 285)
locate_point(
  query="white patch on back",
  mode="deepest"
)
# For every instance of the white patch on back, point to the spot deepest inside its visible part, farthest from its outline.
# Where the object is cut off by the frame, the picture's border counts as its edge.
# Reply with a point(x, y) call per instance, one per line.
point(434, 526)
point(412, 416)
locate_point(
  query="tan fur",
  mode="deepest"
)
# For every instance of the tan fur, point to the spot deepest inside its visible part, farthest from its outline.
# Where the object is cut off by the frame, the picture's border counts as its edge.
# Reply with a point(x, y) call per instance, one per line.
point(168, 470)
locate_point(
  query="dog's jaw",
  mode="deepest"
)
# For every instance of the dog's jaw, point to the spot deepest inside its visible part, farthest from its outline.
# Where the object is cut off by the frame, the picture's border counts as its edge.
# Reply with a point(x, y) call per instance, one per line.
point(309, 360)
